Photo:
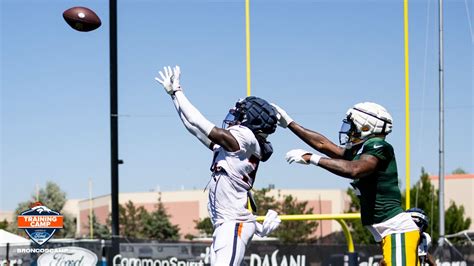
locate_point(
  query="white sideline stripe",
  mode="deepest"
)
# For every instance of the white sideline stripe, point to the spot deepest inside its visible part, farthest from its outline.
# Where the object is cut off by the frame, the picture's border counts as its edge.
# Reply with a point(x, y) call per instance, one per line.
point(398, 245)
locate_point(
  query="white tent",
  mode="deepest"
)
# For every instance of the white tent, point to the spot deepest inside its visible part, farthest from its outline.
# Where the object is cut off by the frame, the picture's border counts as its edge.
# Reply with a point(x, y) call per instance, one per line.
point(7, 237)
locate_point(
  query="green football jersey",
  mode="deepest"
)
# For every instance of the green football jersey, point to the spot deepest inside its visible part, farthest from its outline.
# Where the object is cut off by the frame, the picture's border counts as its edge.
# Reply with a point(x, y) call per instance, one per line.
point(379, 194)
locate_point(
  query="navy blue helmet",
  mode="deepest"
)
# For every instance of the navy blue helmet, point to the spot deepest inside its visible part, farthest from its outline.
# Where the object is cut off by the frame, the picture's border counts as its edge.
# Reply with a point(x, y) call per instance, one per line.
point(255, 113)
point(419, 217)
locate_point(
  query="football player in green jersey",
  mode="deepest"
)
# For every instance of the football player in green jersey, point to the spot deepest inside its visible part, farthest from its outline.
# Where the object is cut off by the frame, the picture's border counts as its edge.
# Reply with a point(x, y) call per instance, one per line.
point(369, 160)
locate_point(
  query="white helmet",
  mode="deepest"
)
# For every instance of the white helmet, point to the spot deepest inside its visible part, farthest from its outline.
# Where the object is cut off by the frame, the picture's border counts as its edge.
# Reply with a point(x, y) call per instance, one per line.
point(364, 120)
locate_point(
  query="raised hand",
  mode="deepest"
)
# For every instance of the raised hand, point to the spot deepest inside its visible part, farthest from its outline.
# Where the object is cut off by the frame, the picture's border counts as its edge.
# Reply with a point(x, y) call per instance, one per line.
point(170, 79)
point(283, 118)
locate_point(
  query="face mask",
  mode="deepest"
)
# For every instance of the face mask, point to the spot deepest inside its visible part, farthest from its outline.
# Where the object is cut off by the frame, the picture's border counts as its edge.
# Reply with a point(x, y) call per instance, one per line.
point(230, 119)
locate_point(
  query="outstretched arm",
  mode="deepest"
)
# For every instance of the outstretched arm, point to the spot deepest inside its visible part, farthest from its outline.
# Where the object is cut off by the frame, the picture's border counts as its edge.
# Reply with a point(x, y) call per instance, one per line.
point(191, 129)
point(365, 166)
point(317, 141)
point(312, 138)
point(193, 120)
point(217, 135)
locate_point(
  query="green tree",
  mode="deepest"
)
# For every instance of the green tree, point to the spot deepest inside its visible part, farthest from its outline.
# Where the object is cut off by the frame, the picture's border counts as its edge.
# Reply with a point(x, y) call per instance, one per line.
point(454, 217)
point(264, 202)
point(54, 198)
point(423, 195)
point(295, 231)
point(189, 236)
point(158, 226)
point(69, 226)
point(4, 224)
point(13, 226)
point(101, 231)
point(288, 231)
point(131, 220)
point(204, 226)
point(459, 171)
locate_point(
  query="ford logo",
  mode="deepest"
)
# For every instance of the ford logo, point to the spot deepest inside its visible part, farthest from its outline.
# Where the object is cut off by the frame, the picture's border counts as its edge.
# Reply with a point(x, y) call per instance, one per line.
point(68, 256)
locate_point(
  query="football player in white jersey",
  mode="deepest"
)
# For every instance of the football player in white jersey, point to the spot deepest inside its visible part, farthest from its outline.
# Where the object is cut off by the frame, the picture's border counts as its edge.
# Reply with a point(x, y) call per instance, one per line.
point(238, 149)
point(421, 220)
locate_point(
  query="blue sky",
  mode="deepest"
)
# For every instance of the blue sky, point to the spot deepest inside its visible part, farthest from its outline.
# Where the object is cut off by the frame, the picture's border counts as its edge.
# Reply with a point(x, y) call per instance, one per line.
point(313, 58)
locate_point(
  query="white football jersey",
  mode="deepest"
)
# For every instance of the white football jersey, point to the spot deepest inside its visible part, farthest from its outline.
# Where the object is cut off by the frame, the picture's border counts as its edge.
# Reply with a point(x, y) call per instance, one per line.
point(425, 243)
point(234, 174)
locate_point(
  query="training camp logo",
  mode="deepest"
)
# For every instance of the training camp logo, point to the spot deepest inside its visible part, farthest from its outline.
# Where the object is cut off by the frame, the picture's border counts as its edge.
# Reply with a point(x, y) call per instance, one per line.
point(40, 222)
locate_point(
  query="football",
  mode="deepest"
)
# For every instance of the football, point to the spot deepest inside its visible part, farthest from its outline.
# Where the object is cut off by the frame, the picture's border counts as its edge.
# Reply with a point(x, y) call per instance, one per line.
point(82, 18)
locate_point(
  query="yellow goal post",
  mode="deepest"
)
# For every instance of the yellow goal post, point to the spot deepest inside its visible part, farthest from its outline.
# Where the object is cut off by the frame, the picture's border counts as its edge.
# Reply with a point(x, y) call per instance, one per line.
point(338, 217)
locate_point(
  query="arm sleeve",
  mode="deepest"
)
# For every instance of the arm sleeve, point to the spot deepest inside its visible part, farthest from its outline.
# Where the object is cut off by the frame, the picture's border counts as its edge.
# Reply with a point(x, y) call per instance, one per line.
point(192, 115)
point(191, 129)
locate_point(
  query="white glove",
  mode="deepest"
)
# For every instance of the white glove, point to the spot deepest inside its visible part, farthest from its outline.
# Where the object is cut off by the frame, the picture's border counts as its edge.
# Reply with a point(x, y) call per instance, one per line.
point(297, 156)
point(170, 79)
point(270, 223)
point(283, 118)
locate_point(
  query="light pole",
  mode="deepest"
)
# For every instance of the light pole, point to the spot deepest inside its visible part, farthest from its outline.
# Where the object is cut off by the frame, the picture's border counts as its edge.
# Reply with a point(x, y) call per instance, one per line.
point(84, 19)
point(441, 125)
point(115, 161)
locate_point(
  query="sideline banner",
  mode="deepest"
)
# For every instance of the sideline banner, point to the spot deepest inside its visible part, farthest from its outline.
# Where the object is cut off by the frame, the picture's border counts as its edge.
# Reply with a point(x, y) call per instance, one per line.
point(260, 253)
point(68, 256)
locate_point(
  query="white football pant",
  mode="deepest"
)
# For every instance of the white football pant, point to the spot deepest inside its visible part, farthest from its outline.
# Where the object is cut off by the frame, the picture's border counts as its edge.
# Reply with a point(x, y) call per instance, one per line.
point(229, 242)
